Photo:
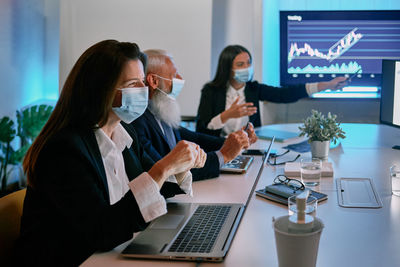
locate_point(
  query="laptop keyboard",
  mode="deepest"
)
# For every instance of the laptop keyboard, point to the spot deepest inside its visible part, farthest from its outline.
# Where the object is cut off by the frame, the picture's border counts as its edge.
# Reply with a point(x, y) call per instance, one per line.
point(202, 230)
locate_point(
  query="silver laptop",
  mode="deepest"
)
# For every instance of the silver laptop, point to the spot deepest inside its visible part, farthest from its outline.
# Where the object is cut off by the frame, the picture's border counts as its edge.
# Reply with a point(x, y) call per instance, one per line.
point(192, 231)
point(240, 164)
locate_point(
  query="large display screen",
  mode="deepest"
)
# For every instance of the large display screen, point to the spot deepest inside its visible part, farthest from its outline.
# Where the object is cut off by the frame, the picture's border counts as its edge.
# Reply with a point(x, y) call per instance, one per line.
point(390, 96)
point(320, 45)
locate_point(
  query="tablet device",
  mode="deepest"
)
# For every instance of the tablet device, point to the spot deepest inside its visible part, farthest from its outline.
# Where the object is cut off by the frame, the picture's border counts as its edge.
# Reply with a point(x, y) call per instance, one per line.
point(240, 164)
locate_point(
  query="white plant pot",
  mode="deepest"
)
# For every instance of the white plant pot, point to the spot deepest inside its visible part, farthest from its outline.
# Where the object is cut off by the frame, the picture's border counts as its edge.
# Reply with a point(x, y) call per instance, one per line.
point(320, 149)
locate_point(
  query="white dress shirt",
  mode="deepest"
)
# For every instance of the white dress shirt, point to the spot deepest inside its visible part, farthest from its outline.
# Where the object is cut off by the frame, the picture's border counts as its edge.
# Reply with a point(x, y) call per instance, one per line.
point(146, 191)
point(234, 124)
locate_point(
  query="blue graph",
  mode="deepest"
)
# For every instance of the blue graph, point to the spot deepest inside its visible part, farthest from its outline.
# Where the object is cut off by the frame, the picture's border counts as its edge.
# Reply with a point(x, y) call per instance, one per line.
point(335, 47)
point(334, 52)
point(352, 67)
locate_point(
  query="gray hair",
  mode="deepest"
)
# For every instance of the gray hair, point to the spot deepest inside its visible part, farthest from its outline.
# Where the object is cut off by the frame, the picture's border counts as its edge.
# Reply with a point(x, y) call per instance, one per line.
point(156, 59)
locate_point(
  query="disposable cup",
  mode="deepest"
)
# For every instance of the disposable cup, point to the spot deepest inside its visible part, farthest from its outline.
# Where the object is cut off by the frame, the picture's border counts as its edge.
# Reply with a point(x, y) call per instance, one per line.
point(296, 249)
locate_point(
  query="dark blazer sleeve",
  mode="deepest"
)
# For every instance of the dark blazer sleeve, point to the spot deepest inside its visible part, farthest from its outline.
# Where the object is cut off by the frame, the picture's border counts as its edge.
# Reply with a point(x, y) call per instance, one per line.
point(256, 92)
point(150, 137)
point(207, 142)
point(144, 135)
point(210, 169)
point(210, 144)
point(287, 94)
point(212, 103)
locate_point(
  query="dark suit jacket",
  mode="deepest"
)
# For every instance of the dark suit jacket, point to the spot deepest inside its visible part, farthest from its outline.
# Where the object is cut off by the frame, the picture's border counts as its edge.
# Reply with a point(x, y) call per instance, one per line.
point(212, 102)
point(68, 216)
point(153, 140)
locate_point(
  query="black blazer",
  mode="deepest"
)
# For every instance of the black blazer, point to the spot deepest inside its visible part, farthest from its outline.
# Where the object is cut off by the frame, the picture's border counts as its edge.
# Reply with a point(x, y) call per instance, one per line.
point(68, 216)
point(155, 144)
point(213, 99)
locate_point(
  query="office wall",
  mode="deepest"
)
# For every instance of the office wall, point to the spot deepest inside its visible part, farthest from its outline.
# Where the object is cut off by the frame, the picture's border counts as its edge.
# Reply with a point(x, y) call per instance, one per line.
point(348, 110)
point(28, 53)
point(194, 31)
point(237, 22)
point(181, 27)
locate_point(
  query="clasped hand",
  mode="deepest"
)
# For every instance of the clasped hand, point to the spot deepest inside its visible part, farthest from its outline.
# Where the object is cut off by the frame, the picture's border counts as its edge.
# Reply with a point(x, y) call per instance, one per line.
point(237, 141)
point(185, 156)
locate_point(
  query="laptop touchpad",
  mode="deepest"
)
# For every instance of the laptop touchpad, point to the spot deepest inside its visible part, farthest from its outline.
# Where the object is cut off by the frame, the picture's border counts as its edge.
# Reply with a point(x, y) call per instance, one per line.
point(168, 221)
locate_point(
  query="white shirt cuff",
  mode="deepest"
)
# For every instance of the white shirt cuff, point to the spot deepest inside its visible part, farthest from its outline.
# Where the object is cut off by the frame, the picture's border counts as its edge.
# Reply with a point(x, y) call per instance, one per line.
point(215, 123)
point(186, 184)
point(220, 158)
point(311, 88)
point(147, 194)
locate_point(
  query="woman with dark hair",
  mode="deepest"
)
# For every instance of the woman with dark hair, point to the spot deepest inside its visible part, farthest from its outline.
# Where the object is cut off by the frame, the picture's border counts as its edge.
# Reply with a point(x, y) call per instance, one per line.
point(90, 185)
point(231, 99)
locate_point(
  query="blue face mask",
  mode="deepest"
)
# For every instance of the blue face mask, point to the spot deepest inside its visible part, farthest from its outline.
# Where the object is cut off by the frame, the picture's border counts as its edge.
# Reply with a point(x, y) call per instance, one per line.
point(243, 75)
point(134, 103)
point(177, 85)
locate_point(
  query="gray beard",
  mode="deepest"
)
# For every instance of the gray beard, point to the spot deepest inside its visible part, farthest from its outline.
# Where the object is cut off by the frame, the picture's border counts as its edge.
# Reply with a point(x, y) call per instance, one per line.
point(165, 109)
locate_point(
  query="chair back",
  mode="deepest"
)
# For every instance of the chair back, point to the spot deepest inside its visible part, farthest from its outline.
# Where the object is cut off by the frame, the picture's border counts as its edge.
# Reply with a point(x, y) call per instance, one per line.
point(10, 221)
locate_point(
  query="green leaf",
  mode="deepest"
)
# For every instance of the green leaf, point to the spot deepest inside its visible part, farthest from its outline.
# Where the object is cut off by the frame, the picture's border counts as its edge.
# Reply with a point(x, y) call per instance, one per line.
point(321, 128)
point(18, 155)
point(31, 121)
point(7, 131)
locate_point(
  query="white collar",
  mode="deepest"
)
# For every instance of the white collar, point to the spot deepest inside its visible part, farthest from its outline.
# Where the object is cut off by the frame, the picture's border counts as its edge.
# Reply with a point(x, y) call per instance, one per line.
point(233, 91)
point(120, 139)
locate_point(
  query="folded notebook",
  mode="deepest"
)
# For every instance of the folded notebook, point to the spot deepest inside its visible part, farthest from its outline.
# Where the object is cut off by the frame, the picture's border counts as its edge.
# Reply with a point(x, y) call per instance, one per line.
point(292, 169)
point(281, 192)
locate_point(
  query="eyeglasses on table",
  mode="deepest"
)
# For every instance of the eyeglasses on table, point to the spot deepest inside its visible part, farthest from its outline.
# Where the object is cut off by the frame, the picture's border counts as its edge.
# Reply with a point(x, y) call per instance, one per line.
point(279, 155)
point(292, 183)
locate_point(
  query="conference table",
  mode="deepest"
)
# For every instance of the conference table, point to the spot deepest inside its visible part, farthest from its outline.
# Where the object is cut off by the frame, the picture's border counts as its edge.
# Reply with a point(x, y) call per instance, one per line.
point(351, 237)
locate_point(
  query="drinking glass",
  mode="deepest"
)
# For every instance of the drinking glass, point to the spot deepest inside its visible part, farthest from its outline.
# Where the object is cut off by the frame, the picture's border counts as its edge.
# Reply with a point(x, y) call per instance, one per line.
point(311, 171)
point(395, 177)
point(311, 205)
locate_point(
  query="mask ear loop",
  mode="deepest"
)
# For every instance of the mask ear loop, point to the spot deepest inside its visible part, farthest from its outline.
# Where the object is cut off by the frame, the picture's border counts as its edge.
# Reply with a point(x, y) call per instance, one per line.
point(163, 79)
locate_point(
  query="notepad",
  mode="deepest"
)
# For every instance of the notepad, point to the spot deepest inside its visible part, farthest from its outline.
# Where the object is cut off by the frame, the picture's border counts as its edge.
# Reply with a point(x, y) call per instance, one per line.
point(280, 136)
point(292, 169)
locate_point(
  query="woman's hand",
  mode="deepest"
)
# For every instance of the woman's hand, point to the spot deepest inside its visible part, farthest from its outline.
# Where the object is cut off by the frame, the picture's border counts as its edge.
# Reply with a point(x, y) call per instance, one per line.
point(183, 157)
point(334, 84)
point(238, 110)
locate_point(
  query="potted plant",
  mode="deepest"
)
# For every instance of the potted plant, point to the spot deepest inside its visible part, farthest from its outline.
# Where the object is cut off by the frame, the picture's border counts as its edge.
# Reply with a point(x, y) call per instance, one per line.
point(321, 130)
point(30, 121)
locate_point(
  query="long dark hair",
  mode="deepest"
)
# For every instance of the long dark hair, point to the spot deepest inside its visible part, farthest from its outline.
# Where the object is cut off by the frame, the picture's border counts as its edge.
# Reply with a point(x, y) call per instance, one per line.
point(86, 98)
point(225, 62)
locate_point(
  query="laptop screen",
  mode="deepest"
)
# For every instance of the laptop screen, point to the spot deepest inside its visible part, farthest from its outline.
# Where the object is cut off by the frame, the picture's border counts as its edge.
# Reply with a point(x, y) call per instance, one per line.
point(265, 158)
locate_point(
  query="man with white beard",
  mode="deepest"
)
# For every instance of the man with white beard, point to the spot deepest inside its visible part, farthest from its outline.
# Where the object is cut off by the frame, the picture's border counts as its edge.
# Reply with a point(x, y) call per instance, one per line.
point(158, 128)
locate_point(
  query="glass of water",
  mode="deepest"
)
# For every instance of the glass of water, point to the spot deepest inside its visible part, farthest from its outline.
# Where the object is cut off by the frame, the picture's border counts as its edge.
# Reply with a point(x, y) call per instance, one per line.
point(311, 171)
point(311, 205)
point(395, 177)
